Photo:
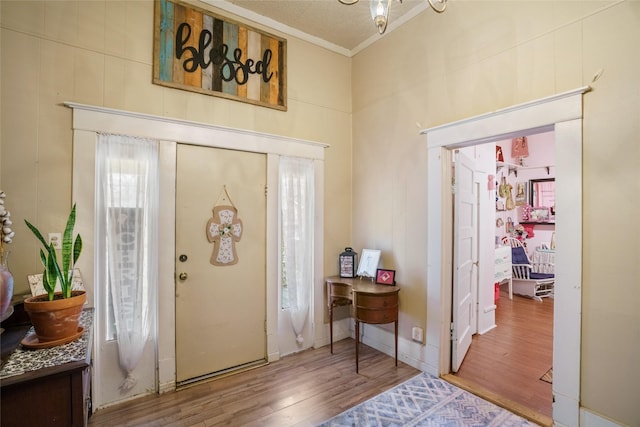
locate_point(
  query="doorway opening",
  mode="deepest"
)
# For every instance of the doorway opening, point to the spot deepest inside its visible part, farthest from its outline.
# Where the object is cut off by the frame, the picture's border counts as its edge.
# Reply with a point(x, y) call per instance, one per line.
point(561, 114)
point(508, 360)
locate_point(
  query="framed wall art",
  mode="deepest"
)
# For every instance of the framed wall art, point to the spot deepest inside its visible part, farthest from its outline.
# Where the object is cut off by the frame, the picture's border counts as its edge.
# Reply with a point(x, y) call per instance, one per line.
point(37, 288)
point(368, 263)
point(200, 51)
point(522, 190)
point(385, 277)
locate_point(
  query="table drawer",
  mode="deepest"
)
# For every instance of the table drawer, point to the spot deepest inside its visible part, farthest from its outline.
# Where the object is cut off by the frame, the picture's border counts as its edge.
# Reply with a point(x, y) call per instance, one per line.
point(368, 315)
point(377, 301)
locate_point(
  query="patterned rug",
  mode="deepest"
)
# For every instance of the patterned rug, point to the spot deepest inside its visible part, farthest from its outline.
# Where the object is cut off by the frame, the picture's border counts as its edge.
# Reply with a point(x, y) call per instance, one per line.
point(426, 401)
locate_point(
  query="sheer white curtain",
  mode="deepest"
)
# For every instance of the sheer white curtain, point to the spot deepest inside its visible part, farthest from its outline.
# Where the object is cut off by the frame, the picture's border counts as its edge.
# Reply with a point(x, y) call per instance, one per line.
point(297, 215)
point(127, 221)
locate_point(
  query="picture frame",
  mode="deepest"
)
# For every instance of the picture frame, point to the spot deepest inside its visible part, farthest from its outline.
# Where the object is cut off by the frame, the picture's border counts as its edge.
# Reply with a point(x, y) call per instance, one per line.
point(368, 263)
point(522, 190)
point(385, 277)
point(37, 288)
point(540, 214)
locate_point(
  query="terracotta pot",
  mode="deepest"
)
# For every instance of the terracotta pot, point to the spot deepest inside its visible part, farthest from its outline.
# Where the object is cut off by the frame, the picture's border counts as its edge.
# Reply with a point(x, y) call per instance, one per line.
point(58, 319)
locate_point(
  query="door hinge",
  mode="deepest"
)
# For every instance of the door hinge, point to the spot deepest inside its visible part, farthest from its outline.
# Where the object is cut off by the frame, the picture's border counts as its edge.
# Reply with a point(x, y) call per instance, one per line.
point(451, 331)
point(453, 186)
point(266, 190)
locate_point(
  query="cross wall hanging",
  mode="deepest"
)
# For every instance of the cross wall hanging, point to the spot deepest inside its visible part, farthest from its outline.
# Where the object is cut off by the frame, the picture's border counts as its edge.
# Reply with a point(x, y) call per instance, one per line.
point(224, 229)
point(199, 51)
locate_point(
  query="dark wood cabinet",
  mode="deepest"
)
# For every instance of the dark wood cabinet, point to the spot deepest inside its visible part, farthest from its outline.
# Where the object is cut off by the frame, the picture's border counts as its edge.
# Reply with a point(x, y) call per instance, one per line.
point(58, 395)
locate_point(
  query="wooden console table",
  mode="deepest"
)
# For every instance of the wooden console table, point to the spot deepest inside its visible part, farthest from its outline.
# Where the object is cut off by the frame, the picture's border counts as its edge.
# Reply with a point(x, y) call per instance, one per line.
point(47, 387)
point(372, 303)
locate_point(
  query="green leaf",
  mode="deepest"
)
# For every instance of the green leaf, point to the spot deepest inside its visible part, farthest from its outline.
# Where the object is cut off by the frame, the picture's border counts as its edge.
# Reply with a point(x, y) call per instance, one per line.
point(47, 285)
point(43, 258)
point(52, 271)
point(67, 240)
point(77, 248)
point(37, 233)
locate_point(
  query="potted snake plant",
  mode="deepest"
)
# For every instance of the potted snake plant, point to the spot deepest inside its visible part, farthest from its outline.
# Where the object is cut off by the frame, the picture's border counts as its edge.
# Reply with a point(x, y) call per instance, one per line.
point(56, 315)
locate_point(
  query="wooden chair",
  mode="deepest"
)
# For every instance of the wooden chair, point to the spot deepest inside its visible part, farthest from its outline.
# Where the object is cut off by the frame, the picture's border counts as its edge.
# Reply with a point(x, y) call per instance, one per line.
point(527, 280)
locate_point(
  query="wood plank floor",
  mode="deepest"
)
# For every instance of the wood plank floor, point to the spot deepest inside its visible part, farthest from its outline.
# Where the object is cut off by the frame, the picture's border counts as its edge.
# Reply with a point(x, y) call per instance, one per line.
point(503, 365)
point(299, 390)
point(508, 361)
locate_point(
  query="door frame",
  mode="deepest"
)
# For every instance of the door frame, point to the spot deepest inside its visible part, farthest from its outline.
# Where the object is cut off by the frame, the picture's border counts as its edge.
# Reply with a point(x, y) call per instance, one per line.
point(561, 113)
point(89, 120)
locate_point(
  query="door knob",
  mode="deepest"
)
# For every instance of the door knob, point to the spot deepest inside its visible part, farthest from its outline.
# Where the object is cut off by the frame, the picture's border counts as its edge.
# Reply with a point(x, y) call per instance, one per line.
point(183, 276)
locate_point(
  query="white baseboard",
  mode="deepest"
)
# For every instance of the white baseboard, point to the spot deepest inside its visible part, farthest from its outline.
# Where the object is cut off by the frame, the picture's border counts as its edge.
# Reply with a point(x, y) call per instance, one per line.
point(166, 387)
point(591, 419)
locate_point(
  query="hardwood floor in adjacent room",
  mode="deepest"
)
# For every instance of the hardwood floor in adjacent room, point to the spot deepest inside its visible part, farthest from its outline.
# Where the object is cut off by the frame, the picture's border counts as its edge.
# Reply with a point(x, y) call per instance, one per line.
point(303, 389)
point(505, 364)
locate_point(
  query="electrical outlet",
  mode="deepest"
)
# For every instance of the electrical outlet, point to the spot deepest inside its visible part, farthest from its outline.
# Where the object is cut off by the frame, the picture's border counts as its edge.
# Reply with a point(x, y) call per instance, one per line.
point(56, 239)
point(416, 334)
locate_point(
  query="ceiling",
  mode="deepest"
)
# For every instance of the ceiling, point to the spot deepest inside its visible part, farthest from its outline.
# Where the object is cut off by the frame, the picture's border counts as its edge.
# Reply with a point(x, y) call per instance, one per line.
point(344, 29)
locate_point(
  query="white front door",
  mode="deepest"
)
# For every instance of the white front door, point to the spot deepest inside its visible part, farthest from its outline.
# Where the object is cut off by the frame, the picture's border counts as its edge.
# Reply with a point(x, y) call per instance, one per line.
point(465, 270)
point(220, 284)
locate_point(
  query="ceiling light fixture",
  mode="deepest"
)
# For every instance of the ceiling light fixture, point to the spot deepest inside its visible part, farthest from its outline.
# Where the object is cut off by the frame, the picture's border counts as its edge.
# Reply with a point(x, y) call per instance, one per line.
point(380, 10)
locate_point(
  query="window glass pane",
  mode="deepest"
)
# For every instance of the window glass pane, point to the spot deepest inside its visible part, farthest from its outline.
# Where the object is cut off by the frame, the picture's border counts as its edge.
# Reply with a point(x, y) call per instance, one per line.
point(123, 207)
point(296, 225)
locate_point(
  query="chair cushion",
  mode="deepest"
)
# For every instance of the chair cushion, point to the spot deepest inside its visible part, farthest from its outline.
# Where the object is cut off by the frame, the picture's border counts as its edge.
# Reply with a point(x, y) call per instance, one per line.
point(540, 276)
point(519, 256)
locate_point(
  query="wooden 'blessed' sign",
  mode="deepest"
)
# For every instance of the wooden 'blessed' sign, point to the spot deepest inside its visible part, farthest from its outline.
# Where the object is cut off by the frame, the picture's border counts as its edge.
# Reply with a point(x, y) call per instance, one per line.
point(199, 51)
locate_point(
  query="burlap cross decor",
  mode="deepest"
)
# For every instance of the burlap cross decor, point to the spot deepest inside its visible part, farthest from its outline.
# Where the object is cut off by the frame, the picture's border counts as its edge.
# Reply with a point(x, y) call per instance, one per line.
point(224, 229)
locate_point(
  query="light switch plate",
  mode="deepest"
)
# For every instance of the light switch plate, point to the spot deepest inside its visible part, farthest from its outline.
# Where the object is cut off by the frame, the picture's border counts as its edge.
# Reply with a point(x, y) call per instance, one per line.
point(56, 239)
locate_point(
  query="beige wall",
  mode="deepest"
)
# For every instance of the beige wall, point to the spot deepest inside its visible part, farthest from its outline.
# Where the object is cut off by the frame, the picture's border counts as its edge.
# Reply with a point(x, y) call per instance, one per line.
point(477, 57)
point(101, 53)
point(481, 56)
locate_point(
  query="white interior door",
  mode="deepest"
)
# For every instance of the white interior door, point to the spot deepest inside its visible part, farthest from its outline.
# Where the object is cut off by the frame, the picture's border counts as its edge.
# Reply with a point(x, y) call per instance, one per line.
point(220, 307)
point(465, 271)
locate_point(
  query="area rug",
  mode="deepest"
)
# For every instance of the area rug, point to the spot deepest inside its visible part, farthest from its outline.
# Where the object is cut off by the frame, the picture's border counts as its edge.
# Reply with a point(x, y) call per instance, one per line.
point(548, 376)
point(425, 400)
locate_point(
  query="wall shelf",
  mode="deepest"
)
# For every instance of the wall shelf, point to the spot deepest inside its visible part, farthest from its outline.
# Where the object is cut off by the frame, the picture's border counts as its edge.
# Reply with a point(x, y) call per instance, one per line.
point(515, 168)
point(537, 222)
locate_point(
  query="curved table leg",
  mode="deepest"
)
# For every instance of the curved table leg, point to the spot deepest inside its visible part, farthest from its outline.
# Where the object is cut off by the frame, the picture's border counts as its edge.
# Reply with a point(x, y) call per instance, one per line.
point(357, 342)
point(331, 325)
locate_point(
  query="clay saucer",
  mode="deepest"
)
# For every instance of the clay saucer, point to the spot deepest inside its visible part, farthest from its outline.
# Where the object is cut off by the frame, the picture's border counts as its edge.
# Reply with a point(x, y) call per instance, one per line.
point(32, 342)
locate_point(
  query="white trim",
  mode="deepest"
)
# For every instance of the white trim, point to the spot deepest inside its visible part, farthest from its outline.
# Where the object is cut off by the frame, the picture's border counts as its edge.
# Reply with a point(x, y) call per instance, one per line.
point(101, 119)
point(88, 121)
point(272, 259)
point(563, 113)
point(591, 419)
point(502, 124)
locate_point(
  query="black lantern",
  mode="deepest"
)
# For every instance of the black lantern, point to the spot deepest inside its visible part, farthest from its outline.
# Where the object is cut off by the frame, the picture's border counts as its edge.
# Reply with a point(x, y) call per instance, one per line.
point(347, 263)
